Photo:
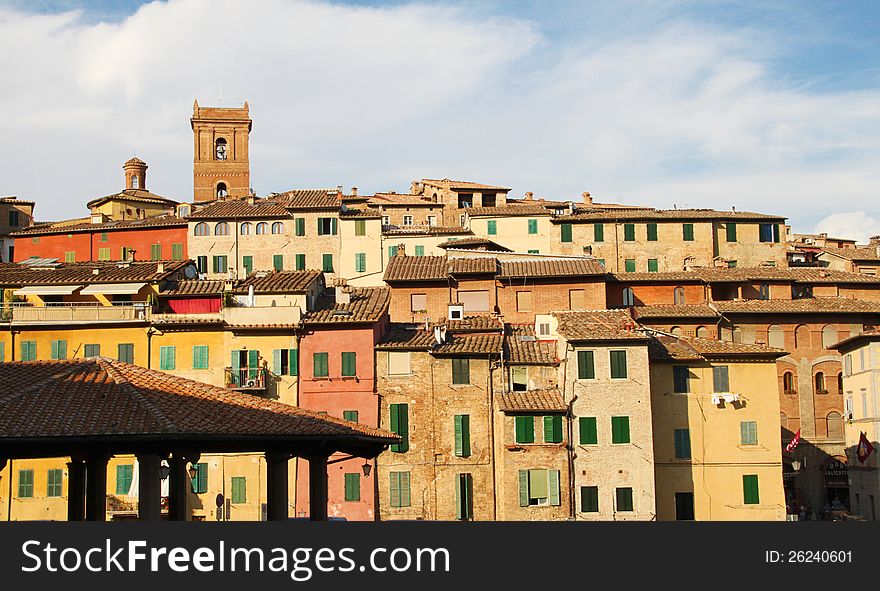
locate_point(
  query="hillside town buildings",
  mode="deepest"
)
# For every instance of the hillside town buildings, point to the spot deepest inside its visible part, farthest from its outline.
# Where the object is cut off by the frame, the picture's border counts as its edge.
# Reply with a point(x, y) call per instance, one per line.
point(537, 359)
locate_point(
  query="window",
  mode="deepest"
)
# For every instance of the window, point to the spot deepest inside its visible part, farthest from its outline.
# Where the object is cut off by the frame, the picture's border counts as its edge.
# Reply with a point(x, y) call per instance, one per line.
point(183, 211)
point(652, 265)
point(327, 263)
point(200, 357)
point(399, 491)
point(155, 252)
point(464, 497)
point(702, 332)
point(524, 429)
point(629, 232)
point(839, 380)
point(246, 229)
point(400, 426)
point(720, 379)
point(629, 265)
point(687, 232)
point(398, 363)
point(577, 299)
point(682, 441)
point(619, 429)
point(768, 233)
point(652, 232)
point(675, 330)
point(834, 422)
point(492, 228)
point(91, 351)
point(104, 254)
point(533, 226)
point(167, 358)
point(523, 301)
point(586, 366)
point(730, 228)
point(278, 262)
point(519, 378)
point(220, 264)
point(748, 432)
point(277, 228)
point(461, 371)
point(352, 487)
point(54, 478)
point(59, 350)
point(628, 297)
point(624, 499)
point(320, 365)
point(301, 226)
point(300, 262)
point(126, 254)
point(588, 431)
point(474, 301)
point(678, 296)
point(177, 251)
point(124, 474)
point(618, 364)
point(25, 484)
point(462, 429)
point(681, 379)
point(350, 415)
point(13, 217)
point(420, 250)
point(764, 292)
point(239, 490)
point(788, 383)
point(589, 499)
point(360, 227)
point(386, 220)
point(200, 482)
point(539, 487)
point(553, 429)
point(407, 220)
point(432, 220)
point(598, 232)
point(262, 228)
point(125, 352)
point(70, 256)
point(802, 337)
point(247, 262)
point(349, 364)
point(326, 226)
point(202, 264)
point(465, 200)
point(533, 251)
point(285, 362)
point(222, 229)
point(847, 364)
point(418, 302)
point(775, 336)
point(392, 251)
point(750, 489)
point(684, 506)
point(488, 200)
point(565, 232)
point(28, 350)
point(360, 262)
point(829, 337)
point(820, 383)
point(220, 149)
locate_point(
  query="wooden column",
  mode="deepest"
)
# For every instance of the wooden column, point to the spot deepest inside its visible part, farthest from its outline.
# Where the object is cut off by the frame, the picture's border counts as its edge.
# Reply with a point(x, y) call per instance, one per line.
point(149, 491)
point(178, 488)
point(76, 490)
point(276, 486)
point(318, 488)
point(96, 488)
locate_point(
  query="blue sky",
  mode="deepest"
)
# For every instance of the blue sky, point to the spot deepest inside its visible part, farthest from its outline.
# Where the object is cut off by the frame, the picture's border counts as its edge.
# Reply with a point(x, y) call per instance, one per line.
point(764, 106)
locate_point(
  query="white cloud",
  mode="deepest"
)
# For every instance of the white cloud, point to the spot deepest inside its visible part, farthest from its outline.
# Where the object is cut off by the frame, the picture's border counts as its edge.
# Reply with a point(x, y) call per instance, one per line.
point(681, 114)
point(856, 224)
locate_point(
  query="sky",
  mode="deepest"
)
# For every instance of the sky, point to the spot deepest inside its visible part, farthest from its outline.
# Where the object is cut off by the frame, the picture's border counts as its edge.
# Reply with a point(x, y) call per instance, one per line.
point(769, 107)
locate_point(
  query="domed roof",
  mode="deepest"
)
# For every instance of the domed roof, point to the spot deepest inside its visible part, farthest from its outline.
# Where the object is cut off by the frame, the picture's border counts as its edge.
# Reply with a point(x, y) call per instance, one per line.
point(134, 162)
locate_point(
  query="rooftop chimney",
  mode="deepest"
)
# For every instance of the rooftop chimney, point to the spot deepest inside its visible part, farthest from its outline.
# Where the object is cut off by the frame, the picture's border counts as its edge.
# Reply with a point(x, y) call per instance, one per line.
point(160, 267)
point(588, 199)
point(354, 191)
point(529, 195)
point(401, 250)
point(342, 294)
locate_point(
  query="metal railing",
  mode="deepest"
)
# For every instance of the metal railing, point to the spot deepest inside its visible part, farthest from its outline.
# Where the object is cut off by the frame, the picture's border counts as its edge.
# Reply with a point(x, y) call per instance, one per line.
point(52, 312)
point(246, 378)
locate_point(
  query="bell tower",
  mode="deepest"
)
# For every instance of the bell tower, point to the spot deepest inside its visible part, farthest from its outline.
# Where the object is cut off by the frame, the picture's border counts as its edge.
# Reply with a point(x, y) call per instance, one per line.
point(221, 167)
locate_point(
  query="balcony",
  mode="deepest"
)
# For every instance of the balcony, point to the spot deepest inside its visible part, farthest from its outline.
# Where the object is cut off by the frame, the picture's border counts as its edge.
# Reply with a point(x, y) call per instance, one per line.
point(74, 313)
point(246, 379)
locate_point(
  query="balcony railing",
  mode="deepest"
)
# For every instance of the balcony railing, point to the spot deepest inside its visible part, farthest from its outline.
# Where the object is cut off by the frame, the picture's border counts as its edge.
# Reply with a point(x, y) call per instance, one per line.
point(25, 313)
point(246, 378)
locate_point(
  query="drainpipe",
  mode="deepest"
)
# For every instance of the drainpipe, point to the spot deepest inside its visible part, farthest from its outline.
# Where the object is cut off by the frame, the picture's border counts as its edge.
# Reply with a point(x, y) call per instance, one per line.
point(570, 447)
point(492, 433)
point(9, 498)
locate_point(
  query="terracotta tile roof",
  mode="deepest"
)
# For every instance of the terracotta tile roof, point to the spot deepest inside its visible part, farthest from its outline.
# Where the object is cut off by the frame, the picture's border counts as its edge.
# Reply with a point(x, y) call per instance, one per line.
point(102, 397)
point(368, 304)
point(431, 268)
point(83, 273)
point(475, 324)
point(186, 319)
point(278, 281)
point(241, 209)
point(310, 199)
point(743, 274)
point(401, 200)
point(12, 199)
point(508, 211)
point(598, 325)
point(362, 212)
point(473, 242)
point(406, 337)
point(425, 231)
point(669, 348)
point(591, 214)
point(462, 184)
point(854, 254)
point(549, 400)
point(193, 287)
point(140, 195)
point(523, 348)
point(550, 267)
point(801, 306)
point(671, 311)
point(868, 335)
point(471, 344)
point(150, 222)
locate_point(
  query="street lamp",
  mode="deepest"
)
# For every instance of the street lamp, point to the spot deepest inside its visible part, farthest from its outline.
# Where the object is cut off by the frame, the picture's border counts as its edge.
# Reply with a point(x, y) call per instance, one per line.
point(796, 465)
point(367, 467)
point(164, 471)
point(193, 471)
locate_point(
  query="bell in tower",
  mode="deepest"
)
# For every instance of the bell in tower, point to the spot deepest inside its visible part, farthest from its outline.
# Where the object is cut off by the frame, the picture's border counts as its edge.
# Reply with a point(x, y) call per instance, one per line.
point(221, 167)
point(135, 174)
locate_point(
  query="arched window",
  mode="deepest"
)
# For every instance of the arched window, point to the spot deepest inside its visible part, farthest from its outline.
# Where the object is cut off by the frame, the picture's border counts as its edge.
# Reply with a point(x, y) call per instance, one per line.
point(788, 383)
point(820, 383)
point(246, 228)
point(834, 424)
point(829, 336)
point(839, 383)
point(277, 228)
point(262, 228)
point(135, 181)
point(221, 190)
point(628, 297)
point(676, 330)
point(678, 296)
point(776, 337)
point(783, 420)
point(220, 148)
point(201, 229)
point(221, 229)
point(702, 332)
point(801, 337)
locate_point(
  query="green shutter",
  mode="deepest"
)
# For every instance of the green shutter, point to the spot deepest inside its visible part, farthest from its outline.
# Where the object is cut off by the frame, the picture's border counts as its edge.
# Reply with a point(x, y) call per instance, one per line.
point(553, 485)
point(300, 262)
point(629, 232)
point(462, 435)
point(320, 365)
point(200, 357)
point(687, 232)
point(360, 227)
point(59, 350)
point(360, 262)
point(239, 489)
point(749, 432)
point(156, 252)
point(349, 364)
point(235, 367)
point(618, 364)
point(400, 426)
point(492, 227)
point(392, 251)
point(125, 352)
point(350, 415)
point(598, 232)
point(400, 489)
point(629, 265)
point(54, 478)
point(624, 499)
point(565, 232)
point(523, 488)
point(327, 263)
point(461, 373)
point(333, 226)
point(300, 226)
point(553, 429)
point(200, 482)
point(731, 231)
point(292, 362)
point(750, 489)
point(533, 226)
point(278, 262)
point(619, 429)
point(589, 499)
point(394, 489)
point(775, 232)
point(420, 250)
point(177, 251)
point(525, 429)
point(253, 360)
point(352, 487)
point(652, 232)
point(248, 263)
point(586, 365)
point(124, 474)
point(720, 378)
point(167, 358)
point(682, 440)
point(652, 265)
point(2, 351)
point(588, 431)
